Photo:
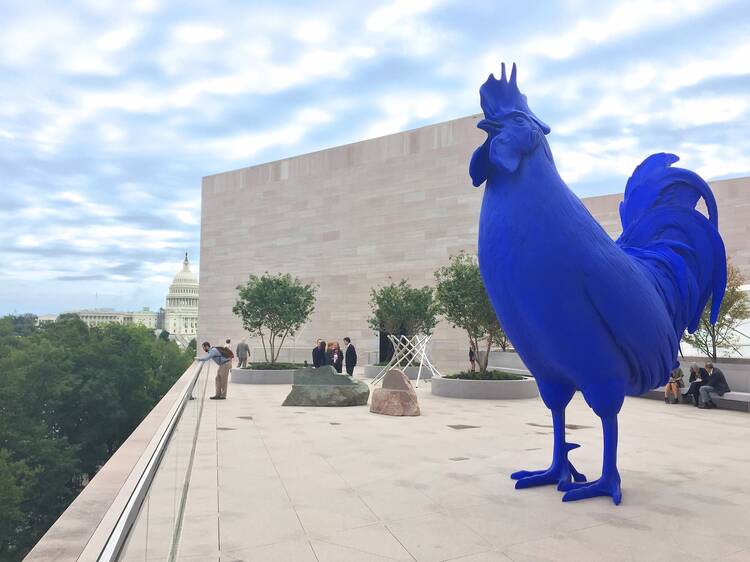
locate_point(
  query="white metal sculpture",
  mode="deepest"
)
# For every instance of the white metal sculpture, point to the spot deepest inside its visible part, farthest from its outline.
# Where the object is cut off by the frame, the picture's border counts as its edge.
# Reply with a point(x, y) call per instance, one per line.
point(404, 350)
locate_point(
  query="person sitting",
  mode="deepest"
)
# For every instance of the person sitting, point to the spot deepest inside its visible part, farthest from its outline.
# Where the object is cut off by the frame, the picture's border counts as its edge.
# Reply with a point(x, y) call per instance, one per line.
point(698, 377)
point(319, 355)
point(716, 383)
point(673, 386)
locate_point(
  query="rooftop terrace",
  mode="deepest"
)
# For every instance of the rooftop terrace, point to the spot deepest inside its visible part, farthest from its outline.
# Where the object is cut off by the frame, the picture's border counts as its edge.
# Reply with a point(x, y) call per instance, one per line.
point(322, 484)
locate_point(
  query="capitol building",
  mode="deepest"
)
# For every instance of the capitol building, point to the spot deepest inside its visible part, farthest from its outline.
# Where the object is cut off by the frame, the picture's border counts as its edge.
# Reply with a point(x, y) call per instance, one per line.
point(181, 311)
point(179, 317)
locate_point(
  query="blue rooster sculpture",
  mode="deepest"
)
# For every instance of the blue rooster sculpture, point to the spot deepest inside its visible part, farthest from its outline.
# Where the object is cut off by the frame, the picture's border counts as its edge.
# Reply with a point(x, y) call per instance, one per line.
point(583, 311)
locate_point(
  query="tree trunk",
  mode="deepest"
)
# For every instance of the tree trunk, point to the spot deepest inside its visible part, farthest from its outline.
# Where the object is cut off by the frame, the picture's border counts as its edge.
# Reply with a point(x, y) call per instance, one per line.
point(483, 362)
point(263, 341)
point(278, 349)
point(713, 343)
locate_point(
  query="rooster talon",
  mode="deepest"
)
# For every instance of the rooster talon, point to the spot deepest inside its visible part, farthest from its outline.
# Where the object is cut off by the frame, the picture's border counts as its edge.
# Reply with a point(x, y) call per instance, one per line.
point(577, 476)
point(525, 474)
point(602, 487)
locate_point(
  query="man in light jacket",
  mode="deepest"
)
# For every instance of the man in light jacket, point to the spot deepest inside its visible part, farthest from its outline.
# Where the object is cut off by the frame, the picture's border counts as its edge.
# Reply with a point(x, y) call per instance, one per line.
point(224, 360)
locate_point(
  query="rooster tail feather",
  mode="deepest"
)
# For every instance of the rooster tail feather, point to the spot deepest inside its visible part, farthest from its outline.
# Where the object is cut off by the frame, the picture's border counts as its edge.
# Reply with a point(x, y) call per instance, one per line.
point(679, 248)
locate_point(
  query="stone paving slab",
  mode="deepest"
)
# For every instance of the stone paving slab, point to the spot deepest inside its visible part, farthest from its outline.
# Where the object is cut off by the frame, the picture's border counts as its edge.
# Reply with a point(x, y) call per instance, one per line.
point(327, 484)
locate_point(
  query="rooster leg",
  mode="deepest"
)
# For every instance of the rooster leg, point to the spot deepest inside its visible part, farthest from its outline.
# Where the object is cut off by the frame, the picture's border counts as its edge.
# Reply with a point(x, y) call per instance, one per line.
point(562, 469)
point(609, 483)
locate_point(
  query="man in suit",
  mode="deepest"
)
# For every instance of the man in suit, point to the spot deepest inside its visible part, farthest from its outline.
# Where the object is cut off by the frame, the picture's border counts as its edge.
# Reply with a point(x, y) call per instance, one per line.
point(716, 383)
point(319, 355)
point(243, 353)
point(350, 356)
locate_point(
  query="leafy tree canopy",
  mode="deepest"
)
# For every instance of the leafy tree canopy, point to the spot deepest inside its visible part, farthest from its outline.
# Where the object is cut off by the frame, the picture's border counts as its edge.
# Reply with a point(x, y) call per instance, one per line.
point(724, 336)
point(274, 307)
point(463, 301)
point(401, 309)
point(69, 397)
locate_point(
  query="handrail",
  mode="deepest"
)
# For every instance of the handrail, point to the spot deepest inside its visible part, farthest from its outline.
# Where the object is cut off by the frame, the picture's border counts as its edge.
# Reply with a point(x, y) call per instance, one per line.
point(127, 517)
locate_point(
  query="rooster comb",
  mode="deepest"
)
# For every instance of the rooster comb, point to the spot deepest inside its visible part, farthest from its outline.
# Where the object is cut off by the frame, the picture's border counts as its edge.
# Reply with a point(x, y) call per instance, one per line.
point(499, 98)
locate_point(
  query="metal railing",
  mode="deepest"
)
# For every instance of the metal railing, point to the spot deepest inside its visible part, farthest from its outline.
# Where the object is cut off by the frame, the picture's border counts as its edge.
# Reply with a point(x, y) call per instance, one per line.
point(175, 448)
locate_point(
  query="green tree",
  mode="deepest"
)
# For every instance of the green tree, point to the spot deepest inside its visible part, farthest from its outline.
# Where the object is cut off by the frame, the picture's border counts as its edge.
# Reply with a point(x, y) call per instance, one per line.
point(463, 301)
point(23, 324)
point(69, 396)
point(164, 335)
point(274, 307)
point(709, 338)
point(403, 310)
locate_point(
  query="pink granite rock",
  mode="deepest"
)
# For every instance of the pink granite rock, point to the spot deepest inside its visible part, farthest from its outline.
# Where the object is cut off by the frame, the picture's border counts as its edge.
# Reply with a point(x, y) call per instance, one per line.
point(396, 397)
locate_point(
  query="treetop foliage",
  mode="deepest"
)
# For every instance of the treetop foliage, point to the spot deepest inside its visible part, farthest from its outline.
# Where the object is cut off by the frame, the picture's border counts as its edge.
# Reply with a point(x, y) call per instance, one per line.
point(70, 395)
point(724, 336)
point(401, 309)
point(274, 307)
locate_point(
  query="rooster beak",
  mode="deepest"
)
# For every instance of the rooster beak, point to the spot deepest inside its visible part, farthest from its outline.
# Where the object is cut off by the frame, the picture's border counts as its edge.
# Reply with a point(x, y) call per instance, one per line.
point(487, 125)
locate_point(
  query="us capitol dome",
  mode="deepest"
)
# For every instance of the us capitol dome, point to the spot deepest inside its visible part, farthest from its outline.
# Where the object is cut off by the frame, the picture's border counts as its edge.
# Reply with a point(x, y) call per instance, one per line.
point(181, 311)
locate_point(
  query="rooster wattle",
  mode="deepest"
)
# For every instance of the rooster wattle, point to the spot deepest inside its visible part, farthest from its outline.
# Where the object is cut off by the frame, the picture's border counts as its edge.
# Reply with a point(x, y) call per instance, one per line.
point(583, 311)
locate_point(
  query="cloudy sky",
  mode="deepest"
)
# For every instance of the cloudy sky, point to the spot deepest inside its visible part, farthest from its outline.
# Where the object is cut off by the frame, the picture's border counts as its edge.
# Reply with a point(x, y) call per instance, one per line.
point(111, 112)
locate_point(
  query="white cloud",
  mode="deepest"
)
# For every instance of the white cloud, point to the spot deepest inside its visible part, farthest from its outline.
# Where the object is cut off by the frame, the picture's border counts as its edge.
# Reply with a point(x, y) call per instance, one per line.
point(315, 31)
point(197, 33)
point(626, 18)
point(117, 39)
point(399, 111)
point(110, 116)
point(707, 110)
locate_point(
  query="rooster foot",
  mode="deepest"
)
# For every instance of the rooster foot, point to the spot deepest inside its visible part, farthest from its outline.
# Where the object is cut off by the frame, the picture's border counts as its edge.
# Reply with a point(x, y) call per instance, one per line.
point(605, 486)
point(561, 472)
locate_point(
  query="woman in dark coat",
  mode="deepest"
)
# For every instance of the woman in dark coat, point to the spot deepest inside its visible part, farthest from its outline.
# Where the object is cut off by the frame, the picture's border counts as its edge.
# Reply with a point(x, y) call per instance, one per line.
point(698, 377)
point(336, 356)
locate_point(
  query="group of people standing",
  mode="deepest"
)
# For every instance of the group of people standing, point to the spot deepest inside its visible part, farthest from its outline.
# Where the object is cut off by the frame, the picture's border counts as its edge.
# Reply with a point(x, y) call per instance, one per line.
point(331, 354)
point(703, 381)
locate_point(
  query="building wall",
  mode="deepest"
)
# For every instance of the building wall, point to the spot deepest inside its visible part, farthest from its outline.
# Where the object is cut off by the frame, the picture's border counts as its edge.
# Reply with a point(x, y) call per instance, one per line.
point(362, 215)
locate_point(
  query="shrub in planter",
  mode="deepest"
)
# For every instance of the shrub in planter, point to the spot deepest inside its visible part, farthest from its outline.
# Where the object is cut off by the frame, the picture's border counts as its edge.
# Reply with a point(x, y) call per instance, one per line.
point(274, 307)
point(263, 366)
point(463, 301)
point(486, 376)
point(402, 310)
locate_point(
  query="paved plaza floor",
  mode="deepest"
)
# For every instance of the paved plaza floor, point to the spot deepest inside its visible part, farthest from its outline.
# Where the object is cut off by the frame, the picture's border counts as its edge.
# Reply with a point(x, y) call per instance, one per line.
point(273, 483)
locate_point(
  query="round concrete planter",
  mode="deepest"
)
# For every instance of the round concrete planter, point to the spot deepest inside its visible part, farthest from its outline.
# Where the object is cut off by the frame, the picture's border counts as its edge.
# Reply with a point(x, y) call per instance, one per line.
point(372, 371)
point(253, 376)
point(484, 390)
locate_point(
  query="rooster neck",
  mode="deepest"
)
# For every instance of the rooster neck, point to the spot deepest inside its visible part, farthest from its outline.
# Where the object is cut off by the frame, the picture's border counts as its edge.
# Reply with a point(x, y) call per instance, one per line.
point(534, 190)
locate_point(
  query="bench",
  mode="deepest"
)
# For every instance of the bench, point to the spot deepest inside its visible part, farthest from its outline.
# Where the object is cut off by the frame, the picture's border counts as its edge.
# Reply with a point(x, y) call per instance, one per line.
point(730, 401)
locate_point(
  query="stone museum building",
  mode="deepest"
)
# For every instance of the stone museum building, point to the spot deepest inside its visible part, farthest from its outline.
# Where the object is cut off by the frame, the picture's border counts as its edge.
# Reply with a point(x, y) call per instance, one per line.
point(359, 216)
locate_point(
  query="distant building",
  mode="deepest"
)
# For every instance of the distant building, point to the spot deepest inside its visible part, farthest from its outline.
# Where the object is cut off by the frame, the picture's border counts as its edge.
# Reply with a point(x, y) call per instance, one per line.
point(179, 317)
point(181, 311)
point(101, 316)
point(46, 318)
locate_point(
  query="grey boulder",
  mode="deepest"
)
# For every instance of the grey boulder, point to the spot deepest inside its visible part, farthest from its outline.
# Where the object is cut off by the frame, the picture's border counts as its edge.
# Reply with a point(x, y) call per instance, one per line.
point(325, 387)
